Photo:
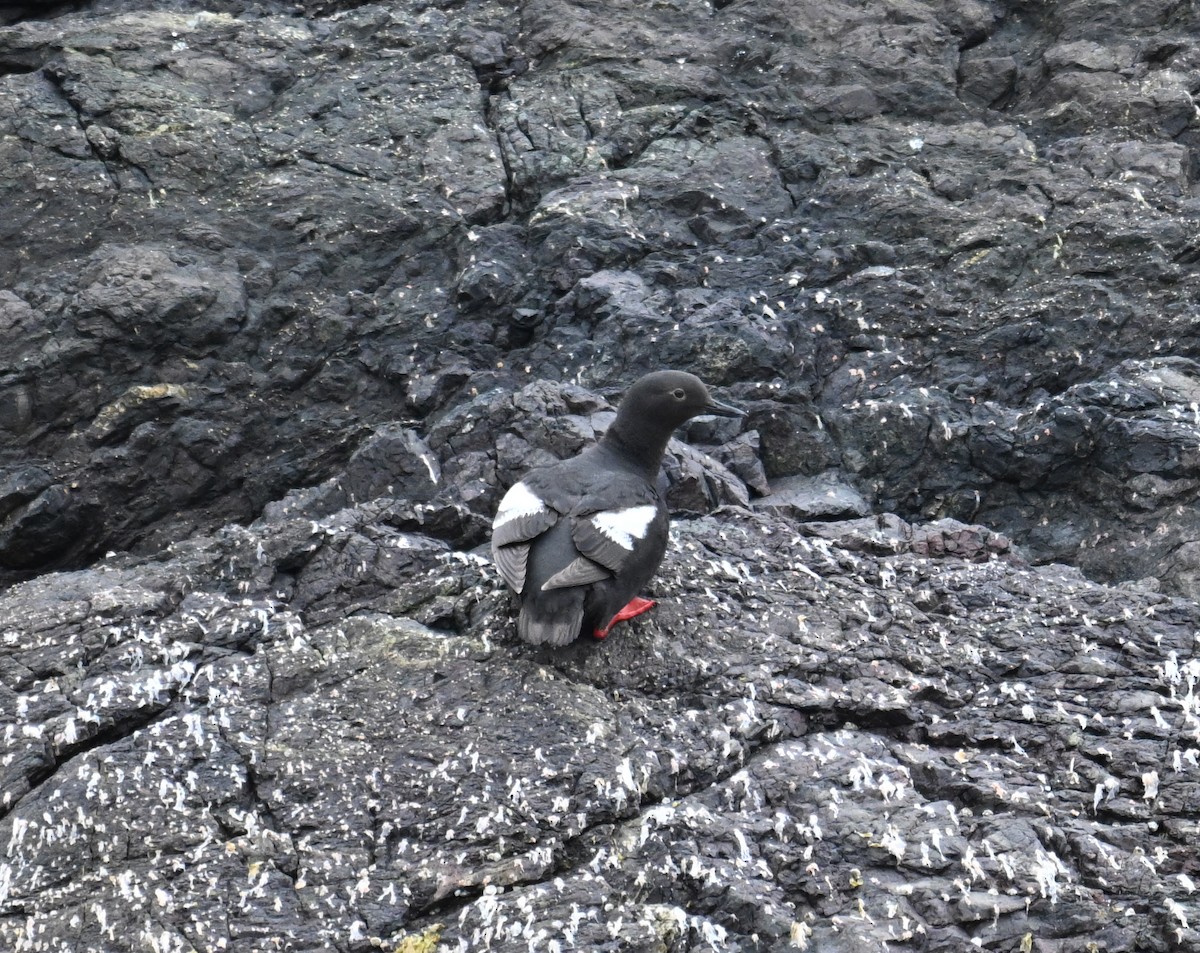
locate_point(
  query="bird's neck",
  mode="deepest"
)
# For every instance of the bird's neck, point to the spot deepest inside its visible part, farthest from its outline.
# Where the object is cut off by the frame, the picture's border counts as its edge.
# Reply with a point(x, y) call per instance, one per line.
point(643, 446)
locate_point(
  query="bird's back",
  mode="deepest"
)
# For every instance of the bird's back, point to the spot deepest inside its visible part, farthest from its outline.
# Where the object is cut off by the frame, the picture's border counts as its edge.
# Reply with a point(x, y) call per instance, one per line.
point(627, 515)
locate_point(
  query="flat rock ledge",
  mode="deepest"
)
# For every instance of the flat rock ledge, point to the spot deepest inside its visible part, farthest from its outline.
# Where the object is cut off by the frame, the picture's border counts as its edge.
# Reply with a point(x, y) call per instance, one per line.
point(323, 734)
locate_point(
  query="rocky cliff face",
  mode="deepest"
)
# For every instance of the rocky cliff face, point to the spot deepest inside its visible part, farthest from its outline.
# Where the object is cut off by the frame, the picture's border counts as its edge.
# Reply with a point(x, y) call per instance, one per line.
point(290, 293)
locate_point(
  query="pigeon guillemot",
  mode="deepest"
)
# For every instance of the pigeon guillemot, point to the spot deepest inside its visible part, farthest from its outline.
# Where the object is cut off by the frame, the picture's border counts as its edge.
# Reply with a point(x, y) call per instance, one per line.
point(578, 539)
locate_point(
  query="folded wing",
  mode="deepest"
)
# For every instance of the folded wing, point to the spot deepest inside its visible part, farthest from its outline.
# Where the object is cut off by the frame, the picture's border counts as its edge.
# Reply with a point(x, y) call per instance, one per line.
point(521, 518)
point(611, 538)
point(605, 541)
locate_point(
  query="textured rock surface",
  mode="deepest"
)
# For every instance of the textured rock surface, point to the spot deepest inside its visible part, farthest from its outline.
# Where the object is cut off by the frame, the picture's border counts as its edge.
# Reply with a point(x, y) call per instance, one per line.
point(947, 249)
point(322, 734)
point(290, 292)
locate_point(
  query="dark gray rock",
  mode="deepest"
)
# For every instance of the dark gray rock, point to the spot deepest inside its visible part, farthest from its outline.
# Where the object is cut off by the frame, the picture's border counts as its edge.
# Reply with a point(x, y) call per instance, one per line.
point(823, 496)
point(289, 293)
point(925, 226)
point(847, 740)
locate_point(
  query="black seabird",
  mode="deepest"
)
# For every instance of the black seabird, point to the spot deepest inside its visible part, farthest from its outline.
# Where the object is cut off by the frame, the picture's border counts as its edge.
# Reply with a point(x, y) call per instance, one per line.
point(578, 539)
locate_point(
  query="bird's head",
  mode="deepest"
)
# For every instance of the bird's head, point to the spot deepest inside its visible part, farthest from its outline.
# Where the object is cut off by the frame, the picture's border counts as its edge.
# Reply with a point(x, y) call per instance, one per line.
point(665, 399)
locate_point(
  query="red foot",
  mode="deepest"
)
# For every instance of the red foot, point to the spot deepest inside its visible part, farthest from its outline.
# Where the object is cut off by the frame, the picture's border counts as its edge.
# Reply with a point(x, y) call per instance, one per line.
point(634, 608)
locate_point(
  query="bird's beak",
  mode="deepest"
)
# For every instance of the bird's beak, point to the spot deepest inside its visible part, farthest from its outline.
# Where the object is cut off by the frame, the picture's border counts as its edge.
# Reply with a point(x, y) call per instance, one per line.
point(717, 409)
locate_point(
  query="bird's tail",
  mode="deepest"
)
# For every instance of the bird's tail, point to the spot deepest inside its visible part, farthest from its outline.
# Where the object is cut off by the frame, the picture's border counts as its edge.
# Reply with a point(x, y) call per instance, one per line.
point(560, 631)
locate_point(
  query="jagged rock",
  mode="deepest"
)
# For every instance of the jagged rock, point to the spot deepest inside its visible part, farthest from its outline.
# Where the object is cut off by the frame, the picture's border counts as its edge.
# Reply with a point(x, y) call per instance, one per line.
point(302, 222)
point(809, 740)
point(742, 456)
point(290, 292)
point(826, 495)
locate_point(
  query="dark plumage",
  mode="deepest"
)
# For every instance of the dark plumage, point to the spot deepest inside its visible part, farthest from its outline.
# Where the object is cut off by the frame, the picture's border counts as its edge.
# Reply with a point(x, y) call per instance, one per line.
point(577, 540)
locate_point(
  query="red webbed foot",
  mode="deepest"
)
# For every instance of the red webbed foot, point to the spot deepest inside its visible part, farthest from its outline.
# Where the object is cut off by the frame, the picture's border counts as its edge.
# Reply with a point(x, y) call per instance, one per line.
point(634, 608)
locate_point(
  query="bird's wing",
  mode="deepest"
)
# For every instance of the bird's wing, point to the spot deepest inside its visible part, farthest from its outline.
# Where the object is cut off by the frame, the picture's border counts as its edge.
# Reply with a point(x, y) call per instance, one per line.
point(522, 517)
point(579, 572)
point(512, 561)
point(612, 537)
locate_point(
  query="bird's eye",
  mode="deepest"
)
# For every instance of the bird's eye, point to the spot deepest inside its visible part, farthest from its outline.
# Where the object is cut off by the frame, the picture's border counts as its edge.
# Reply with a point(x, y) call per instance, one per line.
point(678, 393)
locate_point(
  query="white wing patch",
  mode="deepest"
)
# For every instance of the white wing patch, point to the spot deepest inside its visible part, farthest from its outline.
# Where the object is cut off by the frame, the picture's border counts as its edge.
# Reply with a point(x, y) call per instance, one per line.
point(518, 501)
point(625, 527)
